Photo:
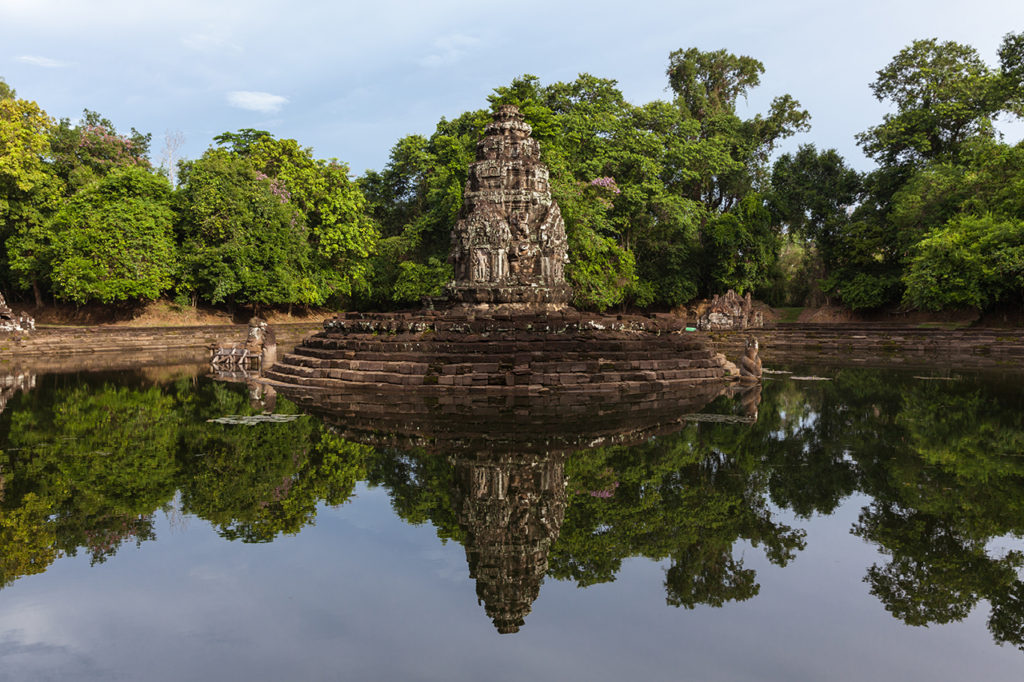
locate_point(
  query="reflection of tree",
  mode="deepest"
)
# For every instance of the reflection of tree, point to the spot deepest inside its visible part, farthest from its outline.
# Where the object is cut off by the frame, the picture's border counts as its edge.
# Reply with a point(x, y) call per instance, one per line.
point(420, 486)
point(99, 459)
point(89, 464)
point(936, 574)
point(254, 482)
point(27, 540)
point(680, 497)
point(800, 435)
point(948, 480)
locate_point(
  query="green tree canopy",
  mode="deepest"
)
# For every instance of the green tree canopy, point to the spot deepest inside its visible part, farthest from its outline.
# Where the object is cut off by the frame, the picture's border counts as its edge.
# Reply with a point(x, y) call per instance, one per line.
point(92, 148)
point(111, 242)
point(29, 192)
point(242, 240)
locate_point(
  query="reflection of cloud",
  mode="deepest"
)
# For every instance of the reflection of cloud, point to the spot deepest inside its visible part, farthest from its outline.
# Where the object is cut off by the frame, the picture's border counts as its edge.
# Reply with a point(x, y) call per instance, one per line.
point(449, 49)
point(43, 660)
point(44, 62)
point(448, 565)
point(256, 101)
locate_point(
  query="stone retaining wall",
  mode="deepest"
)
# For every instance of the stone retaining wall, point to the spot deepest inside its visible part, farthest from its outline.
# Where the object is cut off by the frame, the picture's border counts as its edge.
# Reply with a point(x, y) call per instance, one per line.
point(82, 348)
point(882, 346)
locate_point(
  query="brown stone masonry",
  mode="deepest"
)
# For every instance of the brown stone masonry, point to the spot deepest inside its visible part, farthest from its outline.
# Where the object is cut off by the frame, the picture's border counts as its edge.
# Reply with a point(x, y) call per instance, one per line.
point(883, 346)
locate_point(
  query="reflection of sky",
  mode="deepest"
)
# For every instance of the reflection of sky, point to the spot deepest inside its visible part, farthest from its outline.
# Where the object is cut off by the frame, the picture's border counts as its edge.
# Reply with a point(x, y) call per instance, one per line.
point(365, 596)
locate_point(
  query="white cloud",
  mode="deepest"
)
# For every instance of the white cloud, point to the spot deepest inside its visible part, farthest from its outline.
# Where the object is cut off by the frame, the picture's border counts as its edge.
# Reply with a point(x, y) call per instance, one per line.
point(449, 49)
point(256, 101)
point(44, 62)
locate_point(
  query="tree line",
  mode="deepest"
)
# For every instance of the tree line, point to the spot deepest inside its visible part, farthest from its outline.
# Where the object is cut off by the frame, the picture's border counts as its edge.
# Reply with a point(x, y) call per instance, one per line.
point(664, 202)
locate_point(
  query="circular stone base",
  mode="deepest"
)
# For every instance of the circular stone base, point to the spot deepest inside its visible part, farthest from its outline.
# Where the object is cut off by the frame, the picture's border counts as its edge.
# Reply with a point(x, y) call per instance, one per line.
point(511, 294)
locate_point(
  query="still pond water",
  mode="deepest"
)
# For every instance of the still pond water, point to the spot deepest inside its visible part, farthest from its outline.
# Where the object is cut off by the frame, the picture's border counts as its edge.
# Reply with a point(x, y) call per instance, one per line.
point(867, 525)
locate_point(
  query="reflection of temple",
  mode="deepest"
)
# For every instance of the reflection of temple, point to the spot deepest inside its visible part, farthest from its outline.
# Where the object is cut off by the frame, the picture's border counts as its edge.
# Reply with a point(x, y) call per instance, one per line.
point(511, 509)
point(509, 487)
point(10, 384)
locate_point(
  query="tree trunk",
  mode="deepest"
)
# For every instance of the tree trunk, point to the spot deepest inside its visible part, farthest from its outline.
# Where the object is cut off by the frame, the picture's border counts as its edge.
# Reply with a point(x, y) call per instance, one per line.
point(38, 294)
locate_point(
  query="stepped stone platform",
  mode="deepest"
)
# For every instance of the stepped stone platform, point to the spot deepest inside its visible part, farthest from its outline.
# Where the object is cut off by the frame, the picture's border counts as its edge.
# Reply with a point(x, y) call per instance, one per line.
point(502, 353)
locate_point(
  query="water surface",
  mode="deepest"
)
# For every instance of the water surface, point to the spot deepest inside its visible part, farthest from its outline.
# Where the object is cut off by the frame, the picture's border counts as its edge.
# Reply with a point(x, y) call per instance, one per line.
point(865, 526)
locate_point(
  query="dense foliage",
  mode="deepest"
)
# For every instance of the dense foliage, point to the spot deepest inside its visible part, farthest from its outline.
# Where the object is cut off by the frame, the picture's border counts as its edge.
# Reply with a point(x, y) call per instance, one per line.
point(664, 202)
point(938, 224)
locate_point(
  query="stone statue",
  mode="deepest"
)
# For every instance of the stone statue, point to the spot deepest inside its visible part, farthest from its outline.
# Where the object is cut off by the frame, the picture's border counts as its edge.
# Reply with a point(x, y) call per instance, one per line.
point(750, 363)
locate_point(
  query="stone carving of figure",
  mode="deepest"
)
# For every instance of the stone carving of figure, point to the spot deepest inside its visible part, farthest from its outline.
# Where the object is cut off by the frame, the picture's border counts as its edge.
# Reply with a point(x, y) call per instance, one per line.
point(481, 266)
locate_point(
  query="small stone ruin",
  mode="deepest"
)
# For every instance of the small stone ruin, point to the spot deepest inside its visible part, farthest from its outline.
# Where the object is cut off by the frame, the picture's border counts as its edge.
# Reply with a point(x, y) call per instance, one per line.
point(9, 322)
point(508, 325)
point(728, 313)
point(508, 246)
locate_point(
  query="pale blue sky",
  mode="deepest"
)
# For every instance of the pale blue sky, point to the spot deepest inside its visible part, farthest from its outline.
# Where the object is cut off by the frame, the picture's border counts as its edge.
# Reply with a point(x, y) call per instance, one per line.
point(349, 79)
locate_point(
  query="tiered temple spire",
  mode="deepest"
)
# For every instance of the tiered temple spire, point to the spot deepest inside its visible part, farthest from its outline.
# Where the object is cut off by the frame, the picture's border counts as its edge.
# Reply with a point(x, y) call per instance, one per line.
point(509, 244)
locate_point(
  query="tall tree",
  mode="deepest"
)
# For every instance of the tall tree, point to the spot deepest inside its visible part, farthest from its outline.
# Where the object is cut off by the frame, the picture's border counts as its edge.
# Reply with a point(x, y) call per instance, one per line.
point(341, 236)
point(242, 241)
point(944, 95)
point(29, 192)
point(111, 242)
point(947, 100)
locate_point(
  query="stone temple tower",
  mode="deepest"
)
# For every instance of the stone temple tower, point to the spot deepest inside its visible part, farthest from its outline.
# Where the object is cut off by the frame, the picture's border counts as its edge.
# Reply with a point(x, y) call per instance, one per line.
point(508, 246)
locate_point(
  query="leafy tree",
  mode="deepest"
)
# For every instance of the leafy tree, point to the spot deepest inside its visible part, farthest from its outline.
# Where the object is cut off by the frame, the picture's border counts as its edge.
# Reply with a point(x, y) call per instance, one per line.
point(969, 262)
point(92, 148)
point(946, 100)
point(812, 194)
point(29, 193)
point(945, 95)
point(660, 201)
point(341, 236)
point(242, 240)
point(971, 216)
point(416, 200)
point(113, 241)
